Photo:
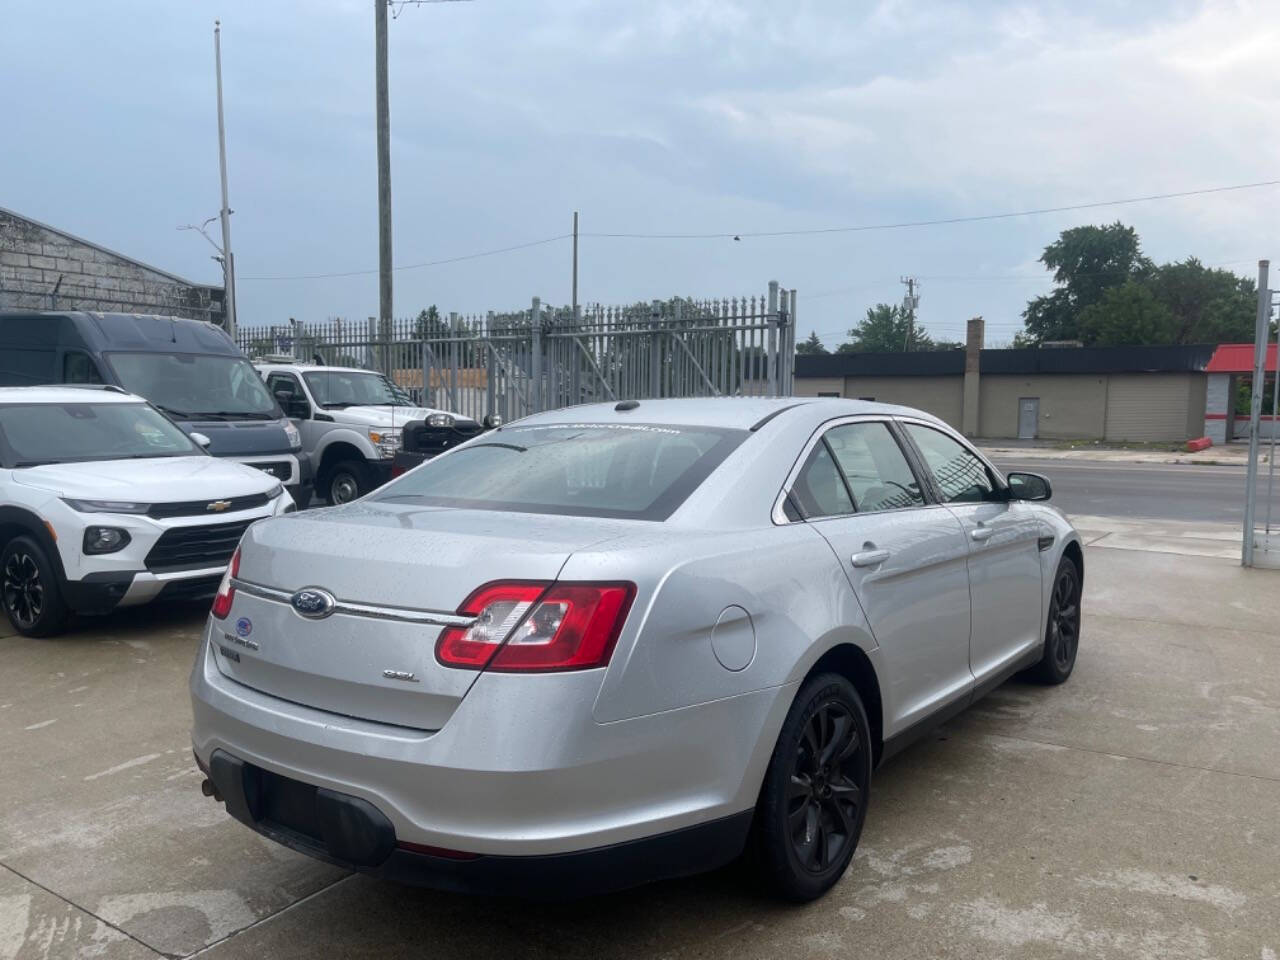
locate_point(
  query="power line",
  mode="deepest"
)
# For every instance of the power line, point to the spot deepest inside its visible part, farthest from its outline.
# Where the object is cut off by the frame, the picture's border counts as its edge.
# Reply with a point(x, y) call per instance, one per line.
point(934, 223)
point(418, 266)
point(796, 233)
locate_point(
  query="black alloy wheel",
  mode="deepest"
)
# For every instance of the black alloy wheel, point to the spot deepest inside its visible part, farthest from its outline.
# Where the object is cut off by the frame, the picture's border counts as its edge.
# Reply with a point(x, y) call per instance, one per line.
point(1062, 632)
point(23, 591)
point(29, 587)
point(813, 801)
point(827, 786)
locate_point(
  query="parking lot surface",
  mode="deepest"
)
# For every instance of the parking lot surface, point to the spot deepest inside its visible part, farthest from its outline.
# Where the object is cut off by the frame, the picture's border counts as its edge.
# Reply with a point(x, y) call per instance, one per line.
point(1133, 812)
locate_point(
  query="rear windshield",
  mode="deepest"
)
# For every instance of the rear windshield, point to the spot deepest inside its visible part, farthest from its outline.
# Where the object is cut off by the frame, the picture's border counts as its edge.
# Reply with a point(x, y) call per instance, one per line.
point(632, 471)
point(35, 434)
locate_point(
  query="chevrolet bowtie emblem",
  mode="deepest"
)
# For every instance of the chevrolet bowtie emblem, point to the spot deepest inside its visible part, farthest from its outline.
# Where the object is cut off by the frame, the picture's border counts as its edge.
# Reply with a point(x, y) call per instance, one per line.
point(218, 505)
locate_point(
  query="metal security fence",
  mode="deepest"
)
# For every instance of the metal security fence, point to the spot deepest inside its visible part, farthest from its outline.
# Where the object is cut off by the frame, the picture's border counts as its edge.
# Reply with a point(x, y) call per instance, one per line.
point(521, 362)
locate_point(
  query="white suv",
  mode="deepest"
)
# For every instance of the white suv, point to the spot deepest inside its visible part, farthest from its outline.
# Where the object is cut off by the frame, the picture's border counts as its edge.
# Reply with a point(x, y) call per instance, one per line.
point(105, 503)
point(352, 423)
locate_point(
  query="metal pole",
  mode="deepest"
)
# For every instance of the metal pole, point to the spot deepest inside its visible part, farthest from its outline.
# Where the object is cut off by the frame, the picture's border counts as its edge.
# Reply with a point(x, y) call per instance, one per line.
point(1261, 336)
point(384, 158)
point(575, 266)
point(228, 263)
point(1275, 410)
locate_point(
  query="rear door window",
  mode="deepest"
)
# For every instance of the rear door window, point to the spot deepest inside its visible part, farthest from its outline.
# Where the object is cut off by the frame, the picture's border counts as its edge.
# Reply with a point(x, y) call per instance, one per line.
point(875, 467)
point(635, 471)
point(854, 468)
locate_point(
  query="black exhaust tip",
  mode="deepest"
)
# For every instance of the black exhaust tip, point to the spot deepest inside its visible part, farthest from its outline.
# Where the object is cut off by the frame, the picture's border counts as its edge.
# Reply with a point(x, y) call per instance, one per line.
point(209, 790)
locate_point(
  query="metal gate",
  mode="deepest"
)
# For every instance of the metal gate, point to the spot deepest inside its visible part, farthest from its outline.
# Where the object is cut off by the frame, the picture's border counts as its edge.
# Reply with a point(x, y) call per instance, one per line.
point(522, 362)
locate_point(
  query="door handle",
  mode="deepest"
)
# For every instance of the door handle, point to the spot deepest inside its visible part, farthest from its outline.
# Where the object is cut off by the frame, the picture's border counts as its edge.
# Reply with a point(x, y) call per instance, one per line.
point(869, 558)
point(981, 533)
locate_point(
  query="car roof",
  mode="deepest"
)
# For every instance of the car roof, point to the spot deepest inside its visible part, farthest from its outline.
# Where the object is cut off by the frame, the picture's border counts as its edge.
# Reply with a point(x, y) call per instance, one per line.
point(66, 394)
point(734, 413)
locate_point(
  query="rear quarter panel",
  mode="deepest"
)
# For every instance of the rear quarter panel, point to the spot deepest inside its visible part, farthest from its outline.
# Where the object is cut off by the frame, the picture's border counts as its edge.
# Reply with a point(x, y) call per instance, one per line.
point(785, 577)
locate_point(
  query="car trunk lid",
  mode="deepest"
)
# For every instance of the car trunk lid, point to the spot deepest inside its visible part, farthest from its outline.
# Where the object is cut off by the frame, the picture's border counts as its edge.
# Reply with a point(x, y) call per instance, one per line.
point(407, 565)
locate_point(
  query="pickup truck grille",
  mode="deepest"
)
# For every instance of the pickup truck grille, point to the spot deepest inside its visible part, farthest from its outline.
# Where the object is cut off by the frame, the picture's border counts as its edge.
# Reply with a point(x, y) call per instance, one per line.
point(189, 548)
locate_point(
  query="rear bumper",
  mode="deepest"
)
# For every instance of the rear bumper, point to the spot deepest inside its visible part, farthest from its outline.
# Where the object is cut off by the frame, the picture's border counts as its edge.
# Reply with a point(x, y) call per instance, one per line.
point(519, 769)
point(353, 833)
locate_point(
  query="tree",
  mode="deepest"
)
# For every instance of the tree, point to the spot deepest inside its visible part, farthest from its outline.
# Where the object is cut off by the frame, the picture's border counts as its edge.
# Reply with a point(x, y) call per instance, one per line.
point(1086, 262)
point(886, 329)
point(1130, 313)
point(1210, 305)
point(811, 346)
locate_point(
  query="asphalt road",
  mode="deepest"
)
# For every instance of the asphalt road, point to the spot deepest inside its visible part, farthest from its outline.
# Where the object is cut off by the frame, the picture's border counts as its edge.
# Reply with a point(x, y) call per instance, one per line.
point(1147, 491)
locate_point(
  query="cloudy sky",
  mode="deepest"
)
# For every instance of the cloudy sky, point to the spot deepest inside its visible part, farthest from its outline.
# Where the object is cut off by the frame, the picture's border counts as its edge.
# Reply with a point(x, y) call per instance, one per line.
point(663, 117)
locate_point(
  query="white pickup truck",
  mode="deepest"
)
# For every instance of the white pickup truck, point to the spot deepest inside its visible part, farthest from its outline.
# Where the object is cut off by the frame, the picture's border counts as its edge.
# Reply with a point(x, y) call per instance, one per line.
point(352, 423)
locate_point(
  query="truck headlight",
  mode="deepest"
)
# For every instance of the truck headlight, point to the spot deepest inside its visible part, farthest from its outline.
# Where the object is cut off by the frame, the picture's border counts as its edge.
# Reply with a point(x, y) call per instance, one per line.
point(295, 438)
point(440, 420)
point(105, 540)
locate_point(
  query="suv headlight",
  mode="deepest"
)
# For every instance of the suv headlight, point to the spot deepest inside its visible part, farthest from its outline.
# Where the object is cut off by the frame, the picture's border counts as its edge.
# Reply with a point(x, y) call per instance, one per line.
point(275, 491)
point(295, 438)
point(440, 420)
point(106, 506)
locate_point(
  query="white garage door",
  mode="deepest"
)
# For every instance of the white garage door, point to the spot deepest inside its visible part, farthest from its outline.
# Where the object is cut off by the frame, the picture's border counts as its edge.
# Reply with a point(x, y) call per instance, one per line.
point(1150, 406)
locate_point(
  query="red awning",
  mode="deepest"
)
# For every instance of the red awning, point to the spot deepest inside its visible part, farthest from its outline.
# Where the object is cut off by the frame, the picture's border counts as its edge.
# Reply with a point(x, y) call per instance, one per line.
point(1238, 358)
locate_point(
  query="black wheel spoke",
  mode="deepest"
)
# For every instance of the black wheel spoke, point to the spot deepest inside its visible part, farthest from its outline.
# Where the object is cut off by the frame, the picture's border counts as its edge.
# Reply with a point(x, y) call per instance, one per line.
point(845, 790)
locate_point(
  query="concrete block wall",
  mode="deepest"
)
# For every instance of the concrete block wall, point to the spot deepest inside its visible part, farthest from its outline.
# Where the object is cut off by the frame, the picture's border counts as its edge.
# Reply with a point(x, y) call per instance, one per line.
point(36, 260)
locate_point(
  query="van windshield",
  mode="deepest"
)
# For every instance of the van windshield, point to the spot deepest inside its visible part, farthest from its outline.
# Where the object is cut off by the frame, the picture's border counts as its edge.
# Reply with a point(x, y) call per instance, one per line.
point(34, 434)
point(191, 386)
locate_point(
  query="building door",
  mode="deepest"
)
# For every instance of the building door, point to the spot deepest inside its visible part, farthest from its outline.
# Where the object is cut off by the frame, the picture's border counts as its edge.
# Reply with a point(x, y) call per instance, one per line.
point(1028, 418)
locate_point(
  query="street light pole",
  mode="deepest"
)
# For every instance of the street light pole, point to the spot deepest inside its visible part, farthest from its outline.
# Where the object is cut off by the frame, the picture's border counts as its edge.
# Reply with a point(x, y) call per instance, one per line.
point(384, 160)
point(228, 262)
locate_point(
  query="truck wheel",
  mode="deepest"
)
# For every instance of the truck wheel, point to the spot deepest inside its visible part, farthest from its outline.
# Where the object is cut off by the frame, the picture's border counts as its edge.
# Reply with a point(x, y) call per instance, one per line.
point(32, 594)
point(346, 481)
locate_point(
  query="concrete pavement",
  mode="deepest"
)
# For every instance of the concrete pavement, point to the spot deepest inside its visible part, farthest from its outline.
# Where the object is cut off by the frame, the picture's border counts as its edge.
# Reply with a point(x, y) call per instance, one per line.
point(1133, 812)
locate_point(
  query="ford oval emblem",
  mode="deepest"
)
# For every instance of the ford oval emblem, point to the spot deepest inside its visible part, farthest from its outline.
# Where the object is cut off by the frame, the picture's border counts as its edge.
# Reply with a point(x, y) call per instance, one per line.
point(313, 603)
point(244, 627)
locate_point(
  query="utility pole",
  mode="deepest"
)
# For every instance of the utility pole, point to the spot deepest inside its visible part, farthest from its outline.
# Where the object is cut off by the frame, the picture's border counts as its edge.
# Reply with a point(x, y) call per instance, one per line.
point(228, 262)
point(909, 304)
point(575, 265)
point(384, 159)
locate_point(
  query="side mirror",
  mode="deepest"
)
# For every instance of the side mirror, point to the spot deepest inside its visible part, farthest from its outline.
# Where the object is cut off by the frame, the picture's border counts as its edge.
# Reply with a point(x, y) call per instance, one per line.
point(1029, 486)
point(201, 439)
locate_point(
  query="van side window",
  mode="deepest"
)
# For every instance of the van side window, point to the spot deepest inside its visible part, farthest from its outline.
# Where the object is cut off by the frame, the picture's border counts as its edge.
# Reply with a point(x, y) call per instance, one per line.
point(79, 368)
point(28, 350)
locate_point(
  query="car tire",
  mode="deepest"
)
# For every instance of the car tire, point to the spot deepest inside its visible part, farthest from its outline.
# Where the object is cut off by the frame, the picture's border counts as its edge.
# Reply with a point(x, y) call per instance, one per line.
point(346, 481)
point(814, 798)
point(30, 589)
point(1062, 628)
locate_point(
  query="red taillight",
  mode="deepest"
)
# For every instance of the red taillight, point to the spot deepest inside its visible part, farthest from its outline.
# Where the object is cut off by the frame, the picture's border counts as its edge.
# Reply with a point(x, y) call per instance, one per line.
point(226, 592)
point(529, 627)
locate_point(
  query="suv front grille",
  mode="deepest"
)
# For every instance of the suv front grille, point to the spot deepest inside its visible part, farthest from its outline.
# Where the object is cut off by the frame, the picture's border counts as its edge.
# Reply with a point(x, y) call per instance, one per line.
point(189, 548)
point(202, 508)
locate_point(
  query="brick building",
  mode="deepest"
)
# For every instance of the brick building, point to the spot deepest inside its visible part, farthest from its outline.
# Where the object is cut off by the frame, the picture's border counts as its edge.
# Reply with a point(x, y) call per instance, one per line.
point(44, 268)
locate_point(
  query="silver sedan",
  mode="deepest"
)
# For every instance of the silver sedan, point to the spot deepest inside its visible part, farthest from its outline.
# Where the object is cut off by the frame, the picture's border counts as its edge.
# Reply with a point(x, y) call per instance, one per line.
point(620, 642)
